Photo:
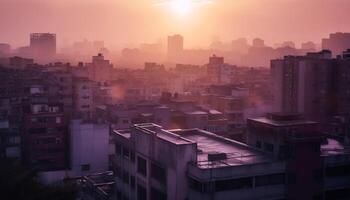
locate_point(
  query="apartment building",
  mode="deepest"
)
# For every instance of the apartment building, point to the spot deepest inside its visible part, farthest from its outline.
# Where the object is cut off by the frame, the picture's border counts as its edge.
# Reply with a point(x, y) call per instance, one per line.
point(153, 163)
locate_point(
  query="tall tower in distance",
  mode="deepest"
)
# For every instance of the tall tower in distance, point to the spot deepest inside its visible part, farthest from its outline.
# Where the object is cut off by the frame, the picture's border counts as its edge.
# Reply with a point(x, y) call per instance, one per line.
point(43, 45)
point(175, 46)
point(258, 43)
point(337, 43)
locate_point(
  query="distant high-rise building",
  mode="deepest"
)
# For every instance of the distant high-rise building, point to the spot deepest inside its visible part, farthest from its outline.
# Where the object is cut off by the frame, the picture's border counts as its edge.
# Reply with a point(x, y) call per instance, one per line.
point(337, 42)
point(154, 67)
point(43, 44)
point(308, 46)
point(44, 130)
point(296, 83)
point(218, 72)
point(83, 97)
point(314, 85)
point(153, 48)
point(257, 42)
point(20, 63)
point(4, 49)
point(240, 45)
point(175, 46)
point(342, 81)
point(214, 60)
point(290, 44)
point(100, 69)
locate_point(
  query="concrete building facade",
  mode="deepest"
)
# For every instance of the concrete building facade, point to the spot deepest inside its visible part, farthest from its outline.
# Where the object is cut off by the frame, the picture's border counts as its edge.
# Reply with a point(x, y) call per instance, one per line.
point(89, 147)
point(153, 163)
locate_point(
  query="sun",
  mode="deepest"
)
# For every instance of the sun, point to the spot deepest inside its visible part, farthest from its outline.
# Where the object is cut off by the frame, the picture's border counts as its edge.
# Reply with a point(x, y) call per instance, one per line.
point(181, 7)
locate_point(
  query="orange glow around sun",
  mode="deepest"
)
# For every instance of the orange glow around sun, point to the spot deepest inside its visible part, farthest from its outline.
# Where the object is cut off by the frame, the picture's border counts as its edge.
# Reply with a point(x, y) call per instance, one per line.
point(183, 7)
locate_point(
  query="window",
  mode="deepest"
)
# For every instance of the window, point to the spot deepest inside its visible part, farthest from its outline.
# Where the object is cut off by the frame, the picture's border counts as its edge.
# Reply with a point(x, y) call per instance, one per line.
point(51, 130)
point(271, 179)
point(337, 194)
point(42, 120)
point(268, 147)
point(37, 131)
point(118, 172)
point(338, 171)
point(132, 182)
point(85, 167)
point(132, 156)
point(198, 186)
point(58, 141)
point(14, 140)
point(141, 166)
point(54, 109)
point(158, 173)
point(232, 184)
point(318, 175)
point(126, 153)
point(157, 194)
point(126, 177)
point(258, 144)
point(58, 120)
point(141, 192)
point(51, 119)
point(118, 149)
point(50, 140)
point(292, 178)
point(85, 106)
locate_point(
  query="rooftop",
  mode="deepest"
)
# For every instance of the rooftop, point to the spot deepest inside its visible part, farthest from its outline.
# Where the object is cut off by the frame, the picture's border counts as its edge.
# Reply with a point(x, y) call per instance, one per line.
point(124, 133)
point(283, 120)
point(101, 184)
point(213, 151)
point(229, 152)
point(163, 134)
point(198, 112)
point(215, 112)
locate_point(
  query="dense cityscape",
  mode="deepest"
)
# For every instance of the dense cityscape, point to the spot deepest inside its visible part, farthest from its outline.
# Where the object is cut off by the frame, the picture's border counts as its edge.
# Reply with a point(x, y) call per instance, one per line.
point(161, 121)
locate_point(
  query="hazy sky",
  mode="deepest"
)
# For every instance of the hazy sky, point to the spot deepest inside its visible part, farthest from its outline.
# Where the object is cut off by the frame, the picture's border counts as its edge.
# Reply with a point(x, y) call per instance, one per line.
point(120, 22)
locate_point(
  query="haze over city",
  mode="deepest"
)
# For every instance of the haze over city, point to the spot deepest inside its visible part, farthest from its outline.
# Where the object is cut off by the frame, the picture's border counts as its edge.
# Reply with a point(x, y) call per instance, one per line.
point(174, 99)
point(121, 23)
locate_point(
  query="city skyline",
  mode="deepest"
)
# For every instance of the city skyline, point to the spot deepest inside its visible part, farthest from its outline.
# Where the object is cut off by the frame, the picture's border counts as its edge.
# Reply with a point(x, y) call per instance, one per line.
point(222, 19)
point(174, 99)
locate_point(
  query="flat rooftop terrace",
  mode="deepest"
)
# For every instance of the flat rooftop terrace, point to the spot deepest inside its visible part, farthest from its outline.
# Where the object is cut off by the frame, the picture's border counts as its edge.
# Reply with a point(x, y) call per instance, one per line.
point(236, 153)
point(209, 146)
point(163, 134)
point(272, 122)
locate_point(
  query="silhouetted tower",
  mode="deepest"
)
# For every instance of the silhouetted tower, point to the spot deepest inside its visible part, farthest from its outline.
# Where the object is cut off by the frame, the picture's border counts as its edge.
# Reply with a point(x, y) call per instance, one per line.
point(43, 44)
point(257, 42)
point(175, 46)
point(337, 43)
